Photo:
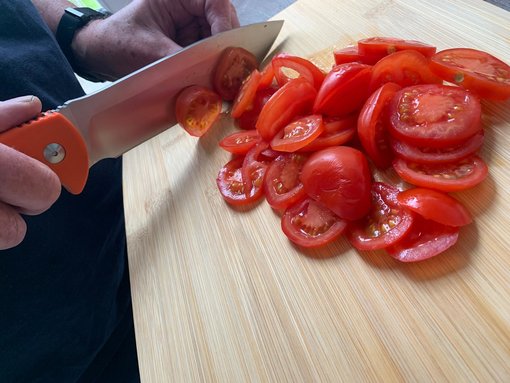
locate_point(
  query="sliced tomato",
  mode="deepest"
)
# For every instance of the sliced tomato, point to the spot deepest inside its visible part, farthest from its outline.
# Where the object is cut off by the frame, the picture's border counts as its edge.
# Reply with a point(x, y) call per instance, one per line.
point(475, 70)
point(267, 76)
point(405, 68)
point(232, 68)
point(386, 223)
point(249, 118)
point(310, 224)
point(254, 171)
point(449, 177)
point(298, 133)
point(230, 183)
point(295, 98)
point(427, 155)
point(246, 95)
point(240, 142)
point(344, 90)
point(435, 206)
point(337, 131)
point(384, 46)
point(282, 186)
point(287, 67)
point(373, 125)
point(196, 109)
point(346, 55)
point(340, 179)
point(434, 115)
point(426, 239)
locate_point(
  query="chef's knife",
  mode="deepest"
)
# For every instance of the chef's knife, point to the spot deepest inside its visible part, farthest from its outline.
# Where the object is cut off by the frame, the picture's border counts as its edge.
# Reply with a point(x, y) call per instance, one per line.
point(129, 111)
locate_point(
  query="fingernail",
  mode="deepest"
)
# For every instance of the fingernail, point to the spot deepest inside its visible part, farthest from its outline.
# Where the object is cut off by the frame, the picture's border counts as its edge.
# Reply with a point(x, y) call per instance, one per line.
point(24, 99)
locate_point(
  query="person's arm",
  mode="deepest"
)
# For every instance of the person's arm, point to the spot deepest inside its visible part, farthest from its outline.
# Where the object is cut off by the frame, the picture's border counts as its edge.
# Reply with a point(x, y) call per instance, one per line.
point(51, 11)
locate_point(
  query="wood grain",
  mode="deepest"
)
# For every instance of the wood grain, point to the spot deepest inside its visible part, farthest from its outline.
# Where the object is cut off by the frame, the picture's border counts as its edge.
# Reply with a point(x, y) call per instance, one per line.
point(220, 295)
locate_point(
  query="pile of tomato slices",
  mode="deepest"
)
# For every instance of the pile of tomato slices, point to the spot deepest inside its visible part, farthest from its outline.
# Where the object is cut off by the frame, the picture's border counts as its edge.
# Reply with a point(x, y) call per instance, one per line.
point(311, 142)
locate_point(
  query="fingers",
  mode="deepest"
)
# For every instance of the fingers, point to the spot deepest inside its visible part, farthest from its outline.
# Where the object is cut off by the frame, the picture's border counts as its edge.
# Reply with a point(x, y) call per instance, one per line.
point(13, 227)
point(221, 15)
point(18, 110)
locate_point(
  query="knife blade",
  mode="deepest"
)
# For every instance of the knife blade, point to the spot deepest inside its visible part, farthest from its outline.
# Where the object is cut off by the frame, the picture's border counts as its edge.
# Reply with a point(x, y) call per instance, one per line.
point(111, 121)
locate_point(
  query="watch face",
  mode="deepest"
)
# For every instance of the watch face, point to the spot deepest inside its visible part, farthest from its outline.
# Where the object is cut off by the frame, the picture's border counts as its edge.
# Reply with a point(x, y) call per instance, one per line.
point(85, 14)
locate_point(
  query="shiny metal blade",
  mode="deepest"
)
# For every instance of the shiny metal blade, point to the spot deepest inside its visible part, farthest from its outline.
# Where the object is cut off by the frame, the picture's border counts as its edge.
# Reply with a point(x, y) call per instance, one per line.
point(141, 105)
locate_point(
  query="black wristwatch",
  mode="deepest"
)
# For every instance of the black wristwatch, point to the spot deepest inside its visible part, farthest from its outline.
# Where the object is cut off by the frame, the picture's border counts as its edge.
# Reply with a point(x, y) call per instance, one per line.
point(72, 20)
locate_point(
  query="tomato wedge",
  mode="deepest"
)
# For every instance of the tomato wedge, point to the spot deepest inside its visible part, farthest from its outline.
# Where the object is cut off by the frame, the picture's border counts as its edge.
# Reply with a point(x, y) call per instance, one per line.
point(298, 133)
point(435, 206)
point(254, 171)
point(351, 54)
point(384, 46)
point(287, 67)
point(337, 131)
point(449, 177)
point(249, 118)
point(434, 115)
point(309, 224)
point(475, 70)
point(372, 125)
point(246, 95)
point(386, 223)
point(196, 109)
point(240, 142)
point(282, 185)
point(426, 239)
point(230, 183)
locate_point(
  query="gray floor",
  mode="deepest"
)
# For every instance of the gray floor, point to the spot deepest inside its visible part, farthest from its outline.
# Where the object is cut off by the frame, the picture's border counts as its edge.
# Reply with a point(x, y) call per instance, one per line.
point(505, 4)
point(252, 11)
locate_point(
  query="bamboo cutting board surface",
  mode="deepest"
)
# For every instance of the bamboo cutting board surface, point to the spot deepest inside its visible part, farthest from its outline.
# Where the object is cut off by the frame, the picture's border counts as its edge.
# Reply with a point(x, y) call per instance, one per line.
point(220, 295)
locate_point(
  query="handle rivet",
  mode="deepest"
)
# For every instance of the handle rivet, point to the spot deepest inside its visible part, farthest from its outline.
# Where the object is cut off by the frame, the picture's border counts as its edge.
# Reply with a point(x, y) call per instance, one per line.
point(54, 153)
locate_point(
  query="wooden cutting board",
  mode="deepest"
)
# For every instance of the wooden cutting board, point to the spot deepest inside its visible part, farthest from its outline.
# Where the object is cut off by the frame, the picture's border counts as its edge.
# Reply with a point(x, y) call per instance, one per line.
point(220, 295)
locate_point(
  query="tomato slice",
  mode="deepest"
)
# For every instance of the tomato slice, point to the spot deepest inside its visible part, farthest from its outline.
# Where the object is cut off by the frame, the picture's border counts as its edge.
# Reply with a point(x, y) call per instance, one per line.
point(254, 170)
point(436, 206)
point(230, 183)
point(405, 68)
point(287, 67)
point(372, 125)
point(295, 98)
point(309, 224)
point(246, 95)
point(344, 90)
point(240, 142)
point(384, 46)
point(267, 77)
point(337, 131)
point(196, 109)
point(426, 239)
point(386, 223)
point(340, 179)
point(282, 186)
point(434, 115)
point(449, 177)
point(475, 70)
point(232, 68)
point(351, 54)
point(249, 118)
point(427, 155)
point(298, 133)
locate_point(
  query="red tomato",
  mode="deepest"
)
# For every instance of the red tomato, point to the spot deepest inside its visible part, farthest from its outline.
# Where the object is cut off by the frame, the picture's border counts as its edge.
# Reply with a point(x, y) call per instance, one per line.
point(351, 54)
point(449, 177)
point(294, 98)
point(309, 224)
point(287, 67)
point(475, 70)
point(344, 90)
point(240, 142)
point(234, 65)
point(230, 183)
point(337, 131)
point(384, 46)
point(249, 118)
point(298, 133)
point(267, 77)
point(434, 115)
point(372, 125)
point(386, 223)
point(197, 109)
point(340, 179)
point(246, 95)
point(426, 155)
point(405, 68)
point(254, 171)
point(282, 186)
point(435, 206)
point(426, 239)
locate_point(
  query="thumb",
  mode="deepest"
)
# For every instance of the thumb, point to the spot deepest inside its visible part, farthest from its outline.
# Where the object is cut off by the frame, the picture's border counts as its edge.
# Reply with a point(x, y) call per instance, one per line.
point(18, 110)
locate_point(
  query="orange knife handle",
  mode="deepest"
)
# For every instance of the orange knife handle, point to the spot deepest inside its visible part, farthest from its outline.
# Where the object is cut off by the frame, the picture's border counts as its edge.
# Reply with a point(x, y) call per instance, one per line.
point(52, 139)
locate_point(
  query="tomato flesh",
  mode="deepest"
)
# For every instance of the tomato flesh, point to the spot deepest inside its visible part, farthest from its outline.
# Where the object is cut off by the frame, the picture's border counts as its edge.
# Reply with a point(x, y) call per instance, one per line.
point(298, 134)
point(248, 119)
point(240, 142)
point(337, 131)
point(383, 46)
point(287, 67)
point(246, 95)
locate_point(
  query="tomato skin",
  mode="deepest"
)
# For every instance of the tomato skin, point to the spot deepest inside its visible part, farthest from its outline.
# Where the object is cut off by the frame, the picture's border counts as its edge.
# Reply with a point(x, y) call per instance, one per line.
point(298, 133)
point(303, 67)
point(386, 223)
point(337, 131)
point(351, 54)
point(248, 119)
point(295, 98)
point(450, 177)
point(230, 183)
point(435, 206)
point(240, 142)
point(246, 95)
point(311, 225)
point(425, 240)
point(384, 46)
point(372, 125)
point(344, 90)
point(196, 109)
point(475, 70)
point(232, 68)
point(436, 116)
point(340, 179)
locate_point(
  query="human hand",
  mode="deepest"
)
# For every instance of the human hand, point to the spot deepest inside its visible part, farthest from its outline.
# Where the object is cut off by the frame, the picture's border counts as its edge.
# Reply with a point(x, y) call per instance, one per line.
point(146, 30)
point(27, 186)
